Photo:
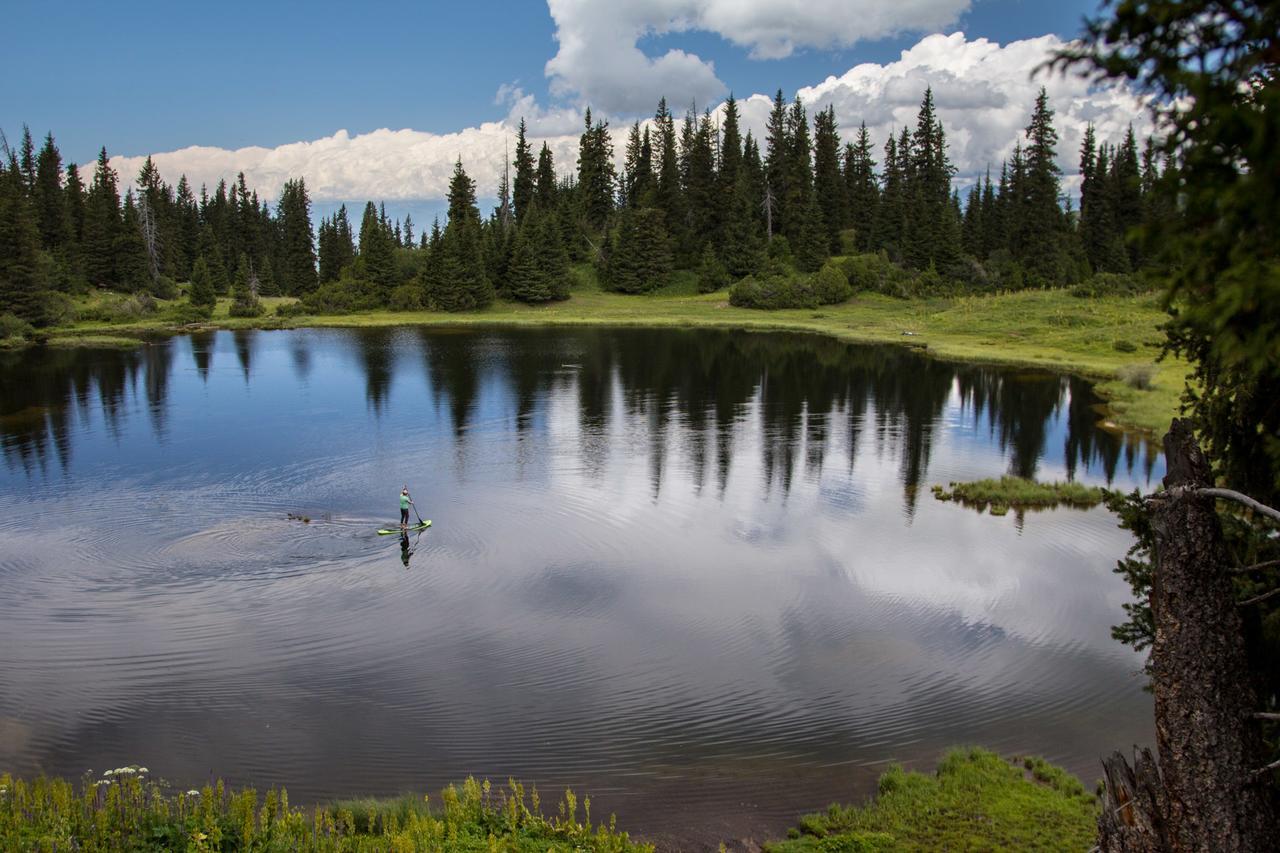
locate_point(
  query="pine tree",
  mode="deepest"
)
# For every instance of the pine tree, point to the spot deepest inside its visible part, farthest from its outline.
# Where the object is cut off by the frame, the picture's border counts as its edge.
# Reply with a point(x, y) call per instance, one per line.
point(638, 188)
point(297, 241)
point(27, 162)
point(828, 183)
point(862, 190)
point(188, 229)
point(777, 166)
point(1042, 250)
point(459, 280)
point(19, 245)
point(101, 226)
point(891, 222)
point(812, 239)
point(522, 190)
point(640, 254)
point(545, 188)
point(700, 202)
point(202, 293)
point(667, 196)
point(131, 263)
point(1126, 194)
point(208, 251)
point(50, 207)
point(595, 174)
point(799, 165)
point(539, 268)
point(73, 194)
point(244, 292)
point(377, 256)
point(712, 275)
point(1090, 191)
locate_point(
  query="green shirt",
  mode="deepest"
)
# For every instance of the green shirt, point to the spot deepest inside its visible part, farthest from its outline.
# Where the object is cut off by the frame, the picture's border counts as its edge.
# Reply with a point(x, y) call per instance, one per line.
point(404, 501)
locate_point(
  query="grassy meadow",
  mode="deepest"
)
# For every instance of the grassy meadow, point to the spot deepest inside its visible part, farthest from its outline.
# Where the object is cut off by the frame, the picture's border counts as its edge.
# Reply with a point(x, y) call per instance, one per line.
point(1113, 340)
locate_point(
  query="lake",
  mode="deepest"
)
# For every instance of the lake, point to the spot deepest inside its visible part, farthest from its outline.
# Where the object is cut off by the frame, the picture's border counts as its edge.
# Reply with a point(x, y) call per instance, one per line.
point(698, 575)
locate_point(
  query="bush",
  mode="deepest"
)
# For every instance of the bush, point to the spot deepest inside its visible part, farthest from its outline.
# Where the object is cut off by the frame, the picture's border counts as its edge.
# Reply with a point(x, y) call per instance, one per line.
point(831, 285)
point(771, 292)
point(117, 308)
point(246, 308)
point(15, 329)
point(1122, 345)
point(55, 309)
point(164, 288)
point(407, 297)
point(877, 274)
point(290, 309)
point(186, 313)
point(343, 296)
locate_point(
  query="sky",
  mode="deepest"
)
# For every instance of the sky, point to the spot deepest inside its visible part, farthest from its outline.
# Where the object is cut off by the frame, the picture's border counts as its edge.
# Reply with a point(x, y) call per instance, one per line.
point(377, 100)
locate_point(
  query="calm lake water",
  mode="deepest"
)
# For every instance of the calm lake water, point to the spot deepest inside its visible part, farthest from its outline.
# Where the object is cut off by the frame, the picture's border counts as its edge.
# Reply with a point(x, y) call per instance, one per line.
point(697, 575)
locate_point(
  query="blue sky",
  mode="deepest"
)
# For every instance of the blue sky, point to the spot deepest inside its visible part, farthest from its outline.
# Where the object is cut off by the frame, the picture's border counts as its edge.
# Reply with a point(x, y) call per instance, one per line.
point(144, 77)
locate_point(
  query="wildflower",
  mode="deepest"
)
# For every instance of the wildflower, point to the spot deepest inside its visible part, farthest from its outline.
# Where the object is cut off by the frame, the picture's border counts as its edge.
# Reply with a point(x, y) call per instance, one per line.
point(143, 770)
point(193, 793)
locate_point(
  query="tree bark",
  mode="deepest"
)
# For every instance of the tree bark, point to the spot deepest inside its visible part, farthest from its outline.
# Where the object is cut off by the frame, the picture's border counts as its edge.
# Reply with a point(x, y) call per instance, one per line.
point(1208, 744)
point(1132, 817)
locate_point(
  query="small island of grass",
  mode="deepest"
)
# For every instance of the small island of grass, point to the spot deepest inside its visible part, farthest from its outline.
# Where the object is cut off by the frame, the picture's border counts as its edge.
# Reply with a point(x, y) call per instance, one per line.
point(1020, 494)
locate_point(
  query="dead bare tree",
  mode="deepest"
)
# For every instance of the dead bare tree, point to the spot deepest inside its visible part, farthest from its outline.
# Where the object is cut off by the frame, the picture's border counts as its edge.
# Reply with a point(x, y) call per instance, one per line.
point(1208, 791)
point(150, 235)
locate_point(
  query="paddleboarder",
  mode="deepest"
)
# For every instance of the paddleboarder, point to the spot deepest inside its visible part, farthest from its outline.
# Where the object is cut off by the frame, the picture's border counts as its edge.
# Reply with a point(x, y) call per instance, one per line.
point(405, 503)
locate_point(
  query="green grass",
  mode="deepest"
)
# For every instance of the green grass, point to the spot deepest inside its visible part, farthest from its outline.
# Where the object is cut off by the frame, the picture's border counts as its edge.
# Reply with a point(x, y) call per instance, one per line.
point(975, 801)
point(1019, 494)
point(1044, 328)
point(126, 811)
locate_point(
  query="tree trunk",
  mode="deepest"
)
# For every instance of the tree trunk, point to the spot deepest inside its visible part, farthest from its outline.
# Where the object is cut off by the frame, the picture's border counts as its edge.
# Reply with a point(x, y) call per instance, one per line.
point(1132, 818)
point(1208, 744)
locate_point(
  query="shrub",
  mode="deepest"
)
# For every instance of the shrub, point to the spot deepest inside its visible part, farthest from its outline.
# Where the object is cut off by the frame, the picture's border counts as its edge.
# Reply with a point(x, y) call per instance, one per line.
point(771, 292)
point(1004, 271)
point(164, 287)
point(831, 285)
point(1137, 375)
point(116, 308)
point(290, 309)
point(407, 297)
point(185, 313)
point(343, 296)
point(55, 309)
point(1122, 345)
point(877, 274)
point(246, 308)
point(14, 328)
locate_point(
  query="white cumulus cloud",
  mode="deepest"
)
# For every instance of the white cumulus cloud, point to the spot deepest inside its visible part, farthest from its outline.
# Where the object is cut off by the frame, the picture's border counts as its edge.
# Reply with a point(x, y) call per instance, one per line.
point(600, 61)
point(984, 93)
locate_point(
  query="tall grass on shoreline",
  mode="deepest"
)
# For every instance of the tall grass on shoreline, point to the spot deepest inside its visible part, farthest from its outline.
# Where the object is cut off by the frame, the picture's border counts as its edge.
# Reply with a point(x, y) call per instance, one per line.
point(125, 810)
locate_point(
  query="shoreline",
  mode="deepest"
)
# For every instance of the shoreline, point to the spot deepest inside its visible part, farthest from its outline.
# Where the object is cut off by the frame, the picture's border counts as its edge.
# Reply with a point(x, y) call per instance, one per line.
point(1046, 330)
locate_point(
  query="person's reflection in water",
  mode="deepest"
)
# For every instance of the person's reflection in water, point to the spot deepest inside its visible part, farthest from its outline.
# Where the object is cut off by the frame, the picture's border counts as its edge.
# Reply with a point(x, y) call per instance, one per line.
point(405, 551)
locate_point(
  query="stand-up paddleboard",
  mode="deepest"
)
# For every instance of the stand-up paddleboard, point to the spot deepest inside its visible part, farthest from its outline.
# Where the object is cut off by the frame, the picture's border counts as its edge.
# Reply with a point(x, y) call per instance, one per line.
point(412, 528)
